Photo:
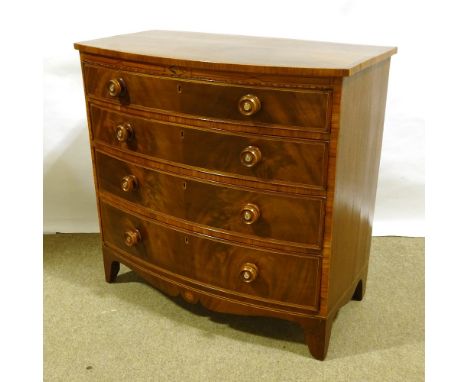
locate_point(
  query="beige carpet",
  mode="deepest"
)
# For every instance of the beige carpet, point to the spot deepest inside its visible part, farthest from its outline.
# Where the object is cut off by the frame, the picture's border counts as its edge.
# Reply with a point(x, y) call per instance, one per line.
point(128, 331)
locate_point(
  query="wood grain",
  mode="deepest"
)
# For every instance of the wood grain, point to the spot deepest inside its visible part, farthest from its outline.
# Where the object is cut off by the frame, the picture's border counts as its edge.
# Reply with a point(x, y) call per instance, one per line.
point(289, 219)
point(361, 120)
point(330, 197)
point(211, 176)
point(315, 121)
point(260, 78)
point(302, 163)
point(239, 53)
point(300, 109)
point(213, 262)
point(213, 298)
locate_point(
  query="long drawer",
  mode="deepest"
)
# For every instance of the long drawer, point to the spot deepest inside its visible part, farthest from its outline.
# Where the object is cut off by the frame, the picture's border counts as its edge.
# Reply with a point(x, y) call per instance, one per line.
point(263, 274)
point(295, 108)
point(248, 156)
point(287, 219)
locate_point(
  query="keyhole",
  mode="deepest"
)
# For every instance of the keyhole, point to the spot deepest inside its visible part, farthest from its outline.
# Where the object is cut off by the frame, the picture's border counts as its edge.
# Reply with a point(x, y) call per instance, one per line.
point(179, 89)
point(182, 134)
point(184, 185)
point(186, 240)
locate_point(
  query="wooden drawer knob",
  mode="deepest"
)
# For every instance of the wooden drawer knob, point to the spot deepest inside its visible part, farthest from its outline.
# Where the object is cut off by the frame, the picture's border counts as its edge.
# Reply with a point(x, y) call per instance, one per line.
point(124, 132)
point(249, 272)
point(250, 156)
point(129, 183)
point(249, 105)
point(116, 87)
point(132, 237)
point(250, 213)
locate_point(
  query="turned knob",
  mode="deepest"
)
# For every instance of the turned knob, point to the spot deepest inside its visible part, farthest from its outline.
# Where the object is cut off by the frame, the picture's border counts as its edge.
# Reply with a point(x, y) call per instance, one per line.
point(249, 272)
point(132, 237)
point(250, 156)
point(250, 213)
point(116, 87)
point(128, 183)
point(249, 105)
point(124, 132)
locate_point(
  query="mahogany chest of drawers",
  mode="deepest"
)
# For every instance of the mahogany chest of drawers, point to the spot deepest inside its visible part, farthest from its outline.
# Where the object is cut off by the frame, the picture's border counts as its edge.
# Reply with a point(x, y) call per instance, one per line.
point(238, 172)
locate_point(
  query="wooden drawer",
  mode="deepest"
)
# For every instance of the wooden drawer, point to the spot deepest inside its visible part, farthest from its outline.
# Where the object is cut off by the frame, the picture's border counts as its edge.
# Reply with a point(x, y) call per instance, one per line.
point(297, 221)
point(302, 109)
point(302, 163)
point(289, 279)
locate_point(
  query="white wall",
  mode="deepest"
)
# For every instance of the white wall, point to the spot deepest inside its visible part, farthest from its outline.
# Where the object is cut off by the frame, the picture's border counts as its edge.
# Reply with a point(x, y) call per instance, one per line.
point(69, 202)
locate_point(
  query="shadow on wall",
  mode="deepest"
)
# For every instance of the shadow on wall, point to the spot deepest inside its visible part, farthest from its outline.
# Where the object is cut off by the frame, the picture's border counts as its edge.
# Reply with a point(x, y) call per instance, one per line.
point(69, 198)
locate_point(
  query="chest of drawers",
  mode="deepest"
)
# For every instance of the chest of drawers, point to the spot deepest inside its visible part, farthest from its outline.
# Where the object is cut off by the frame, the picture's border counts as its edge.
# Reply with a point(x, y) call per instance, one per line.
point(238, 172)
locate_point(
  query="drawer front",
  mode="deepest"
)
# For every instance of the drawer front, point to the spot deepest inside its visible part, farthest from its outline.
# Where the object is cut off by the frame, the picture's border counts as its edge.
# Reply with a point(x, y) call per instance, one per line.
point(289, 279)
point(303, 109)
point(287, 219)
point(303, 163)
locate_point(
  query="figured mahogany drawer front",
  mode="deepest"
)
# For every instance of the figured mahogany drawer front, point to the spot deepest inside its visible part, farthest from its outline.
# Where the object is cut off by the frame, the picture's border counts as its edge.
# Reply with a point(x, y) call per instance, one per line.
point(303, 163)
point(265, 216)
point(264, 274)
point(303, 109)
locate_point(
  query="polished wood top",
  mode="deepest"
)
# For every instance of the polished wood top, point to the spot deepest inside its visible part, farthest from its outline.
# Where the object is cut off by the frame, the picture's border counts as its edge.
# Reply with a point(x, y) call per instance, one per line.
point(239, 53)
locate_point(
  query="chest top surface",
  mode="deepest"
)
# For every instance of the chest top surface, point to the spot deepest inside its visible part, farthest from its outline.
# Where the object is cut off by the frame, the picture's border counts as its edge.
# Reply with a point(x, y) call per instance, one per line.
point(239, 53)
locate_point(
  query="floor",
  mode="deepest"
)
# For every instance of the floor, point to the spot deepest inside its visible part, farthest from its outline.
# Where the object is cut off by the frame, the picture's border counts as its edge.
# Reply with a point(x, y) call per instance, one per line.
point(128, 331)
